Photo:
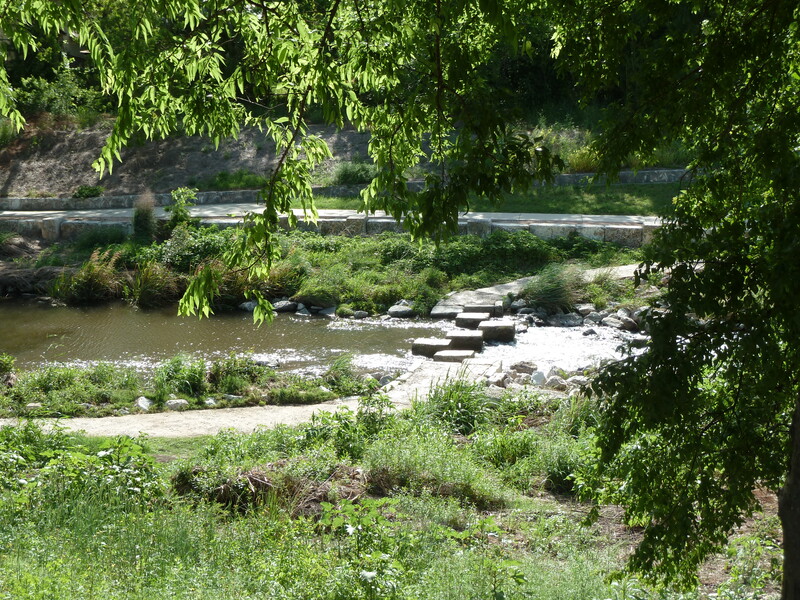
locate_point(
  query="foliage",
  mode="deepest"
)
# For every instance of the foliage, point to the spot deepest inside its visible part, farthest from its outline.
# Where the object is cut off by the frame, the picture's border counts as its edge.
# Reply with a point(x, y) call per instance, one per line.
point(708, 413)
point(239, 180)
point(555, 288)
point(182, 199)
point(154, 285)
point(88, 191)
point(353, 173)
point(459, 405)
point(6, 363)
point(179, 375)
point(97, 281)
point(144, 219)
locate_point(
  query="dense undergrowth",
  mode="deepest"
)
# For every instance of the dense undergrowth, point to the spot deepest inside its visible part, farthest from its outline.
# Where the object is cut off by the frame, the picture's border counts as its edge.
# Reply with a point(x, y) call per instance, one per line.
point(461, 496)
point(355, 273)
point(108, 389)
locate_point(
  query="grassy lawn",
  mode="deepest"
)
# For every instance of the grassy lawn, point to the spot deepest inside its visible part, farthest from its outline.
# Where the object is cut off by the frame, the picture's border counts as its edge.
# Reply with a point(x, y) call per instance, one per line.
point(623, 199)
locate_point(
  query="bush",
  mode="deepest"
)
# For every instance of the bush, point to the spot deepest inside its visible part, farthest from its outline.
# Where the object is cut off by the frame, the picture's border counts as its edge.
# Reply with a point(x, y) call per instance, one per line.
point(155, 285)
point(88, 191)
point(100, 237)
point(235, 368)
point(353, 173)
point(240, 180)
point(97, 281)
point(182, 199)
point(555, 288)
point(144, 219)
point(6, 363)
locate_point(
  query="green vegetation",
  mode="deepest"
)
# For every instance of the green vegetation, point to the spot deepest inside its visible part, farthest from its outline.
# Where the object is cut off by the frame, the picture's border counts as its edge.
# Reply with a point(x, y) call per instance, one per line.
point(107, 389)
point(370, 504)
point(240, 180)
point(369, 273)
point(88, 191)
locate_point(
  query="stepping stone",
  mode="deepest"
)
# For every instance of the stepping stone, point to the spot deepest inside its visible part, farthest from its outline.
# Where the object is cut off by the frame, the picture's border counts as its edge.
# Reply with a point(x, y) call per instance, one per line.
point(453, 355)
point(471, 320)
point(495, 309)
point(498, 331)
point(429, 346)
point(446, 311)
point(461, 339)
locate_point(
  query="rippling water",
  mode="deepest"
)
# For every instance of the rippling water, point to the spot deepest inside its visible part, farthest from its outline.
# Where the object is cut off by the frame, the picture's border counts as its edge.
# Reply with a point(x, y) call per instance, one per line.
point(38, 334)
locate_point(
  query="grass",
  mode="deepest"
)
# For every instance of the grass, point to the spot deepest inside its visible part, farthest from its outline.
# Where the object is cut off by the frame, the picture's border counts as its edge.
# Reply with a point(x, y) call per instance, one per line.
point(292, 513)
point(622, 199)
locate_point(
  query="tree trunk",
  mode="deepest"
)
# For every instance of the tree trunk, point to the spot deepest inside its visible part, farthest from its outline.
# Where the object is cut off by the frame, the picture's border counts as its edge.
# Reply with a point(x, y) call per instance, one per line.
point(789, 512)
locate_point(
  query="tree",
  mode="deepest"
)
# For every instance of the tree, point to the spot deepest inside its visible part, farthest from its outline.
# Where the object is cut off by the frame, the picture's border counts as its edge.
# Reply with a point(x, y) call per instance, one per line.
point(711, 410)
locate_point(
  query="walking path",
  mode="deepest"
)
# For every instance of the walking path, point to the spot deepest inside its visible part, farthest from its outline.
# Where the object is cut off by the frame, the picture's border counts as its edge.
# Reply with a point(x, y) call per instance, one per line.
point(627, 230)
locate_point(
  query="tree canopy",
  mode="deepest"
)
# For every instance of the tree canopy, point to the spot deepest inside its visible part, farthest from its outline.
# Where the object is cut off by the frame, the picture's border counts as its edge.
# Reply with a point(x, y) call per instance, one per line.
point(711, 410)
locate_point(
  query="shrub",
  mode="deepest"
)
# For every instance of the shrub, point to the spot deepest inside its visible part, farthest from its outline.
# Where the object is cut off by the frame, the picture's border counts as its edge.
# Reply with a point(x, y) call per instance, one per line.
point(342, 378)
point(144, 219)
point(353, 173)
point(6, 363)
point(238, 368)
point(95, 282)
point(240, 180)
point(182, 199)
point(556, 287)
point(100, 237)
point(88, 191)
point(155, 285)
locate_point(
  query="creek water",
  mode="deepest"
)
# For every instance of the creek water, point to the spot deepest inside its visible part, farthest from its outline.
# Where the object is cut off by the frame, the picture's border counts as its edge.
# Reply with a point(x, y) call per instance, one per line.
point(38, 334)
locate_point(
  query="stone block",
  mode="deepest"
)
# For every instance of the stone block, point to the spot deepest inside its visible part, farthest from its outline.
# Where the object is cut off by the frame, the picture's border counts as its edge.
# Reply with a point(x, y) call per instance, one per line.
point(470, 320)
point(509, 226)
point(51, 228)
point(446, 311)
point(479, 308)
point(429, 346)
point(480, 227)
point(376, 225)
point(498, 331)
point(461, 339)
point(549, 231)
point(453, 355)
point(624, 235)
point(595, 233)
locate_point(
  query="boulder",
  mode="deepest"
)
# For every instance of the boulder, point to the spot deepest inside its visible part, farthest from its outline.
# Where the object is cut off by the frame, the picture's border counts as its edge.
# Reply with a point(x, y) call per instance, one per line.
point(612, 322)
point(248, 306)
point(584, 309)
point(360, 314)
point(578, 381)
point(143, 403)
point(524, 367)
point(497, 379)
point(556, 383)
point(401, 311)
point(518, 305)
point(284, 306)
point(593, 317)
point(568, 320)
point(589, 331)
point(538, 378)
point(176, 404)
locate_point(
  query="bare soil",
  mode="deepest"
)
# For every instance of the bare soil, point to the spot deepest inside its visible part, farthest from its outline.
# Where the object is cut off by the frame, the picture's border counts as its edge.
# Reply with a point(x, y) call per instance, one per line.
point(54, 163)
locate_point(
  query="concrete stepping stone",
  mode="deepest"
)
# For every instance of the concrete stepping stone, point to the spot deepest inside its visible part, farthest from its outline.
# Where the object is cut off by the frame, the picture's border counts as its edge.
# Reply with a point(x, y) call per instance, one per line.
point(429, 346)
point(453, 355)
point(464, 339)
point(446, 311)
point(495, 309)
point(471, 320)
point(498, 331)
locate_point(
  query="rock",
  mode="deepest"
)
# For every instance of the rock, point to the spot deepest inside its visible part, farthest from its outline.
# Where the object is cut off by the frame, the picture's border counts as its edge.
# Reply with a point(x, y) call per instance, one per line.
point(526, 311)
point(360, 314)
point(210, 402)
point(232, 397)
point(176, 404)
point(578, 381)
point(385, 380)
point(556, 383)
point(568, 320)
point(248, 306)
point(593, 317)
point(589, 331)
point(329, 312)
point(623, 313)
point(497, 379)
point(524, 366)
point(303, 312)
point(584, 309)
point(143, 403)
point(401, 311)
point(520, 378)
point(629, 324)
point(315, 310)
point(612, 322)
point(535, 321)
point(465, 339)
point(538, 378)
point(122, 412)
point(453, 355)
point(285, 306)
point(33, 405)
point(517, 305)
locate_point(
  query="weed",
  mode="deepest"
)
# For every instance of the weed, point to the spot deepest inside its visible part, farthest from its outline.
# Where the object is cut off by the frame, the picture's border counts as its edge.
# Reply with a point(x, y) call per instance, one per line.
point(239, 180)
point(144, 220)
point(182, 199)
point(555, 288)
point(459, 405)
point(6, 363)
point(97, 281)
point(155, 285)
point(179, 375)
point(353, 173)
